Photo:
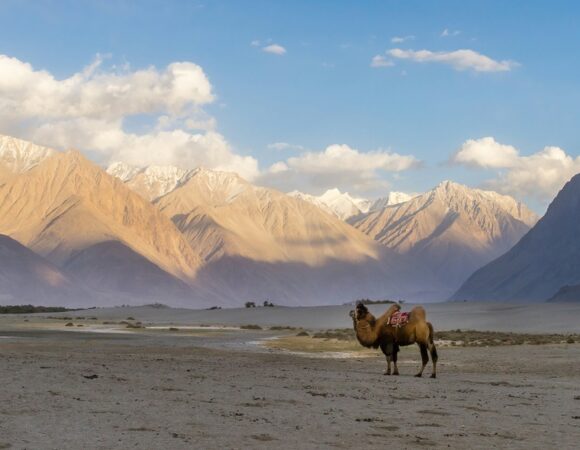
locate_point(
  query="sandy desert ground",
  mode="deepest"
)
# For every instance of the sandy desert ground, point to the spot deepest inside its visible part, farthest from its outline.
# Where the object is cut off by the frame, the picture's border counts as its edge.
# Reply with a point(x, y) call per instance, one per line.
point(104, 386)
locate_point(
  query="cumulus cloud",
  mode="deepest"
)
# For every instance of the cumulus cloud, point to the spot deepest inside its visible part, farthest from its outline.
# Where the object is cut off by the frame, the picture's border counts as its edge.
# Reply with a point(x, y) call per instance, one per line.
point(464, 59)
point(381, 61)
point(90, 109)
point(539, 175)
point(337, 165)
point(342, 158)
point(275, 49)
point(94, 93)
point(487, 153)
point(401, 39)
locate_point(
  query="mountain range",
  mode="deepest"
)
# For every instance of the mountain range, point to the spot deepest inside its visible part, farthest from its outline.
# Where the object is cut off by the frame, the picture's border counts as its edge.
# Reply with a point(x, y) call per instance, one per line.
point(260, 243)
point(197, 237)
point(452, 229)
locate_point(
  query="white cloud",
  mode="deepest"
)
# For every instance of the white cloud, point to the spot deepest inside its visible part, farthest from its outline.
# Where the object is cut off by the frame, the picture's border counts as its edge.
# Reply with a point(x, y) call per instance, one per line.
point(450, 33)
point(284, 146)
point(89, 111)
point(337, 166)
point(459, 59)
point(93, 93)
point(381, 61)
point(401, 39)
point(278, 167)
point(274, 49)
point(255, 43)
point(162, 147)
point(539, 175)
point(342, 158)
point(486, 153)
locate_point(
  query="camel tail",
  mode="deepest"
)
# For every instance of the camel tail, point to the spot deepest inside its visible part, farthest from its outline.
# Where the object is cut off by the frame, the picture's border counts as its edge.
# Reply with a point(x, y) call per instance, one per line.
point(434, 355)
point(431, 332)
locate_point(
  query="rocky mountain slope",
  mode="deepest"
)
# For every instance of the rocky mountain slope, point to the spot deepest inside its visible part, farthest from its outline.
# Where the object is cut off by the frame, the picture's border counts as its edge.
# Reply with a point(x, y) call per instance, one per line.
point(452, 229)
point(541, 264)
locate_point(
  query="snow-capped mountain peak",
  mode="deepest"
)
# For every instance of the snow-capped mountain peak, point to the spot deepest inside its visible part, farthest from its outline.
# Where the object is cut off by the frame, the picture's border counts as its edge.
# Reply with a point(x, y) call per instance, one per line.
point(227, 184)
point(122, 170)
point(340, 204)
point(151, 182)
point(393, 198)
point(20, 156)
point(460, 197)
point(345, 206)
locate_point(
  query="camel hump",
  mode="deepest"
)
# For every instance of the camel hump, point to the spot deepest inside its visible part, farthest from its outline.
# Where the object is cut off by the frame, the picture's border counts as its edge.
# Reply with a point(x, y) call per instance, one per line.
point(418, 312)
point(395, 307)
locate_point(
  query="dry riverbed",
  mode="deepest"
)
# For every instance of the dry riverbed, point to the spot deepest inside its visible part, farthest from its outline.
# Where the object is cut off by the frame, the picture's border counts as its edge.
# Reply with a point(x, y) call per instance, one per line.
point(172, 387)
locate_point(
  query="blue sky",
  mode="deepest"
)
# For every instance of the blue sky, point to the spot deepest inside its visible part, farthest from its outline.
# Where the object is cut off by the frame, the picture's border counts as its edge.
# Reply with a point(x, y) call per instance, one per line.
point(323, 90)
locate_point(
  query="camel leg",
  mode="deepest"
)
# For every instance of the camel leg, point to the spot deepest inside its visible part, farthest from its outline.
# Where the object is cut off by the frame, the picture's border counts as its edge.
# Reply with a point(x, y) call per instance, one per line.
point(387, 350)
point(395, 352)
point(434, 358)
point(424, 359)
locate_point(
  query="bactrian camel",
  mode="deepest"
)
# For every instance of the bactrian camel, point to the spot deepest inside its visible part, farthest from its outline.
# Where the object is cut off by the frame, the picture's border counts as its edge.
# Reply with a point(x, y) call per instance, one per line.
point(374, 333)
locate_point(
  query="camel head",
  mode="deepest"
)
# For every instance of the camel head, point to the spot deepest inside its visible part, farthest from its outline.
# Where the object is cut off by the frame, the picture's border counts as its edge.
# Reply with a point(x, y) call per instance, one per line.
point(360, 312)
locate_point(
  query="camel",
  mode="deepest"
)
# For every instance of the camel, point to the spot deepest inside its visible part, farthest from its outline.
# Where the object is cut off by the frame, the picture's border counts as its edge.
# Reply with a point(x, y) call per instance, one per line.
point(375, 333)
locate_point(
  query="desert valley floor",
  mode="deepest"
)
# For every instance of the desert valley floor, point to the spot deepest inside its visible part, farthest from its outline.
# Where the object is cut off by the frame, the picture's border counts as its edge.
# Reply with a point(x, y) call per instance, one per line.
point(102, 385)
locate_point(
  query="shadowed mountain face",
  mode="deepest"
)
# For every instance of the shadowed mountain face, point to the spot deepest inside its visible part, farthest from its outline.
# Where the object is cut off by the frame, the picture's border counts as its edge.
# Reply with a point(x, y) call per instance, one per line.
point(26, 277)
point(113, 268)
point(451, 230)
point(541, 263)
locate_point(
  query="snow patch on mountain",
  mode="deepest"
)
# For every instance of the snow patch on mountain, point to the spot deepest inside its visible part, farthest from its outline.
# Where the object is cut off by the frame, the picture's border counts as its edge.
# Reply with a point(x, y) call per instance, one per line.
point(345, 206)
point(393, 198)
point(123, 171)
point(20, 156)
point(151, 182)
point(154, 182)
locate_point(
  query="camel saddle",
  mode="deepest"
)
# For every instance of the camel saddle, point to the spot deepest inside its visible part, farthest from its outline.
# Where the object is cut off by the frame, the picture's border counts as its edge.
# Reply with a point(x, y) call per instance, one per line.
point(398, 319)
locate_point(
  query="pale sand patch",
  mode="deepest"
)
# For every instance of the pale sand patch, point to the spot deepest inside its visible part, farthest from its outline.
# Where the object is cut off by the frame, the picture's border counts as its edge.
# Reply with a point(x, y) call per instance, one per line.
point(193, 327)
point(310, 345)
point(96, 329)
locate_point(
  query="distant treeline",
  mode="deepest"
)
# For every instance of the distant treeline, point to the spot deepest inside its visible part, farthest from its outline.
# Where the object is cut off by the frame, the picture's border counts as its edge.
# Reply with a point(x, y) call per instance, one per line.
point(368, 301)
point(29, 309)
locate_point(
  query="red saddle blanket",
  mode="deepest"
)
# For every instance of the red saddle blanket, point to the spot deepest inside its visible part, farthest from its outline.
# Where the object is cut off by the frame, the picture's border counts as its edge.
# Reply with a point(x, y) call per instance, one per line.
point(398, 319)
